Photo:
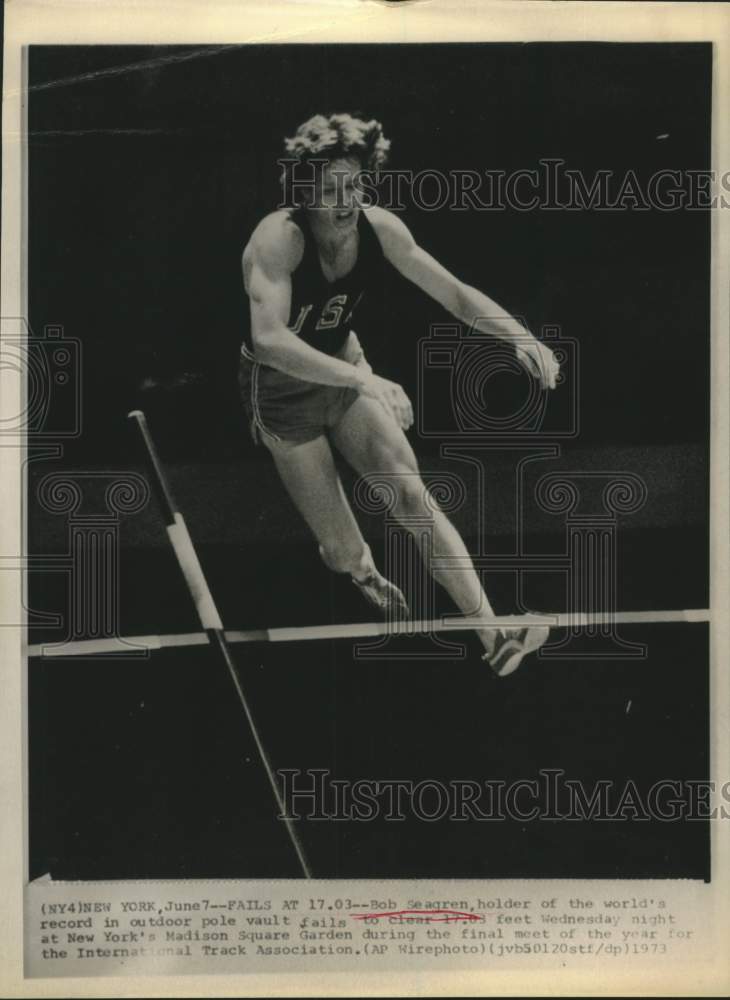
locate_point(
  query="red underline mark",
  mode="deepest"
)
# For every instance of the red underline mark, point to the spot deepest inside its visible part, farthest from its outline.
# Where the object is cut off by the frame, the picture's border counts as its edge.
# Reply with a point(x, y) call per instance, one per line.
point(428, 916)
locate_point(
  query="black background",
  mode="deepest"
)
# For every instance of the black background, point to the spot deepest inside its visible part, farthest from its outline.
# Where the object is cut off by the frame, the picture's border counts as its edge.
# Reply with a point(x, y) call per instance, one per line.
point(148, 169)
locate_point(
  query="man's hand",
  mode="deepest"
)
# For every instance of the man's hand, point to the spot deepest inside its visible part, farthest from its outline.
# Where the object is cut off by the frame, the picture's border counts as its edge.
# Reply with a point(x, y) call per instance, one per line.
point(539, 361)
point(390, 396)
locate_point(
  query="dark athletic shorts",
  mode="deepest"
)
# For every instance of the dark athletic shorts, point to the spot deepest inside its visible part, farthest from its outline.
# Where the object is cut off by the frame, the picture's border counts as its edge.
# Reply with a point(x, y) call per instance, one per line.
point(282, 408)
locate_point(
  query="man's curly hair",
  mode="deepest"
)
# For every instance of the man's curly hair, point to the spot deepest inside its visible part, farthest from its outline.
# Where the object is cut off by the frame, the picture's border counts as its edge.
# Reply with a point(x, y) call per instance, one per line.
point(331, 137)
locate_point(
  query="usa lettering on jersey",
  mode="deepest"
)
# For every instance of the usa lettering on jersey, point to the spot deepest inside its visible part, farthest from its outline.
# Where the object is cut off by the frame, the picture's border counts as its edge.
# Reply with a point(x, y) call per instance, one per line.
point(329, 317)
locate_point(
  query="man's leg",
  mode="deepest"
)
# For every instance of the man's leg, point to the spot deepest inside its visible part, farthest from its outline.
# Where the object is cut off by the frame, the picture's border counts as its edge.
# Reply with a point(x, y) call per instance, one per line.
point(311, 479)
point(372, 442)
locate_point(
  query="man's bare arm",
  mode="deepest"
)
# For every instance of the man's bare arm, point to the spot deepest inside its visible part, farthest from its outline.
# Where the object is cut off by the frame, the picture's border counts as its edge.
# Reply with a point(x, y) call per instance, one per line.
point(267, 268)
point(353, 352)
point(475, 309)
point(268, 263)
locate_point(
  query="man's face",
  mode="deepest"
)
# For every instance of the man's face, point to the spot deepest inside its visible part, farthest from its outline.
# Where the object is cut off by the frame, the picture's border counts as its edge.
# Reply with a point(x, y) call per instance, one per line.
point(336, 197)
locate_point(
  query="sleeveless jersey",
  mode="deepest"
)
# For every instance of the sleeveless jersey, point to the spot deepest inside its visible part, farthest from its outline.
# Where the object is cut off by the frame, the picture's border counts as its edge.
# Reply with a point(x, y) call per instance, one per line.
point(323, 312)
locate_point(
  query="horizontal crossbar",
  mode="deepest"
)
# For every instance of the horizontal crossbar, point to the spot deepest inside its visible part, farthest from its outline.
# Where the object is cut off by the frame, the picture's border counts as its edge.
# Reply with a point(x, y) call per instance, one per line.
point(365, 630)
